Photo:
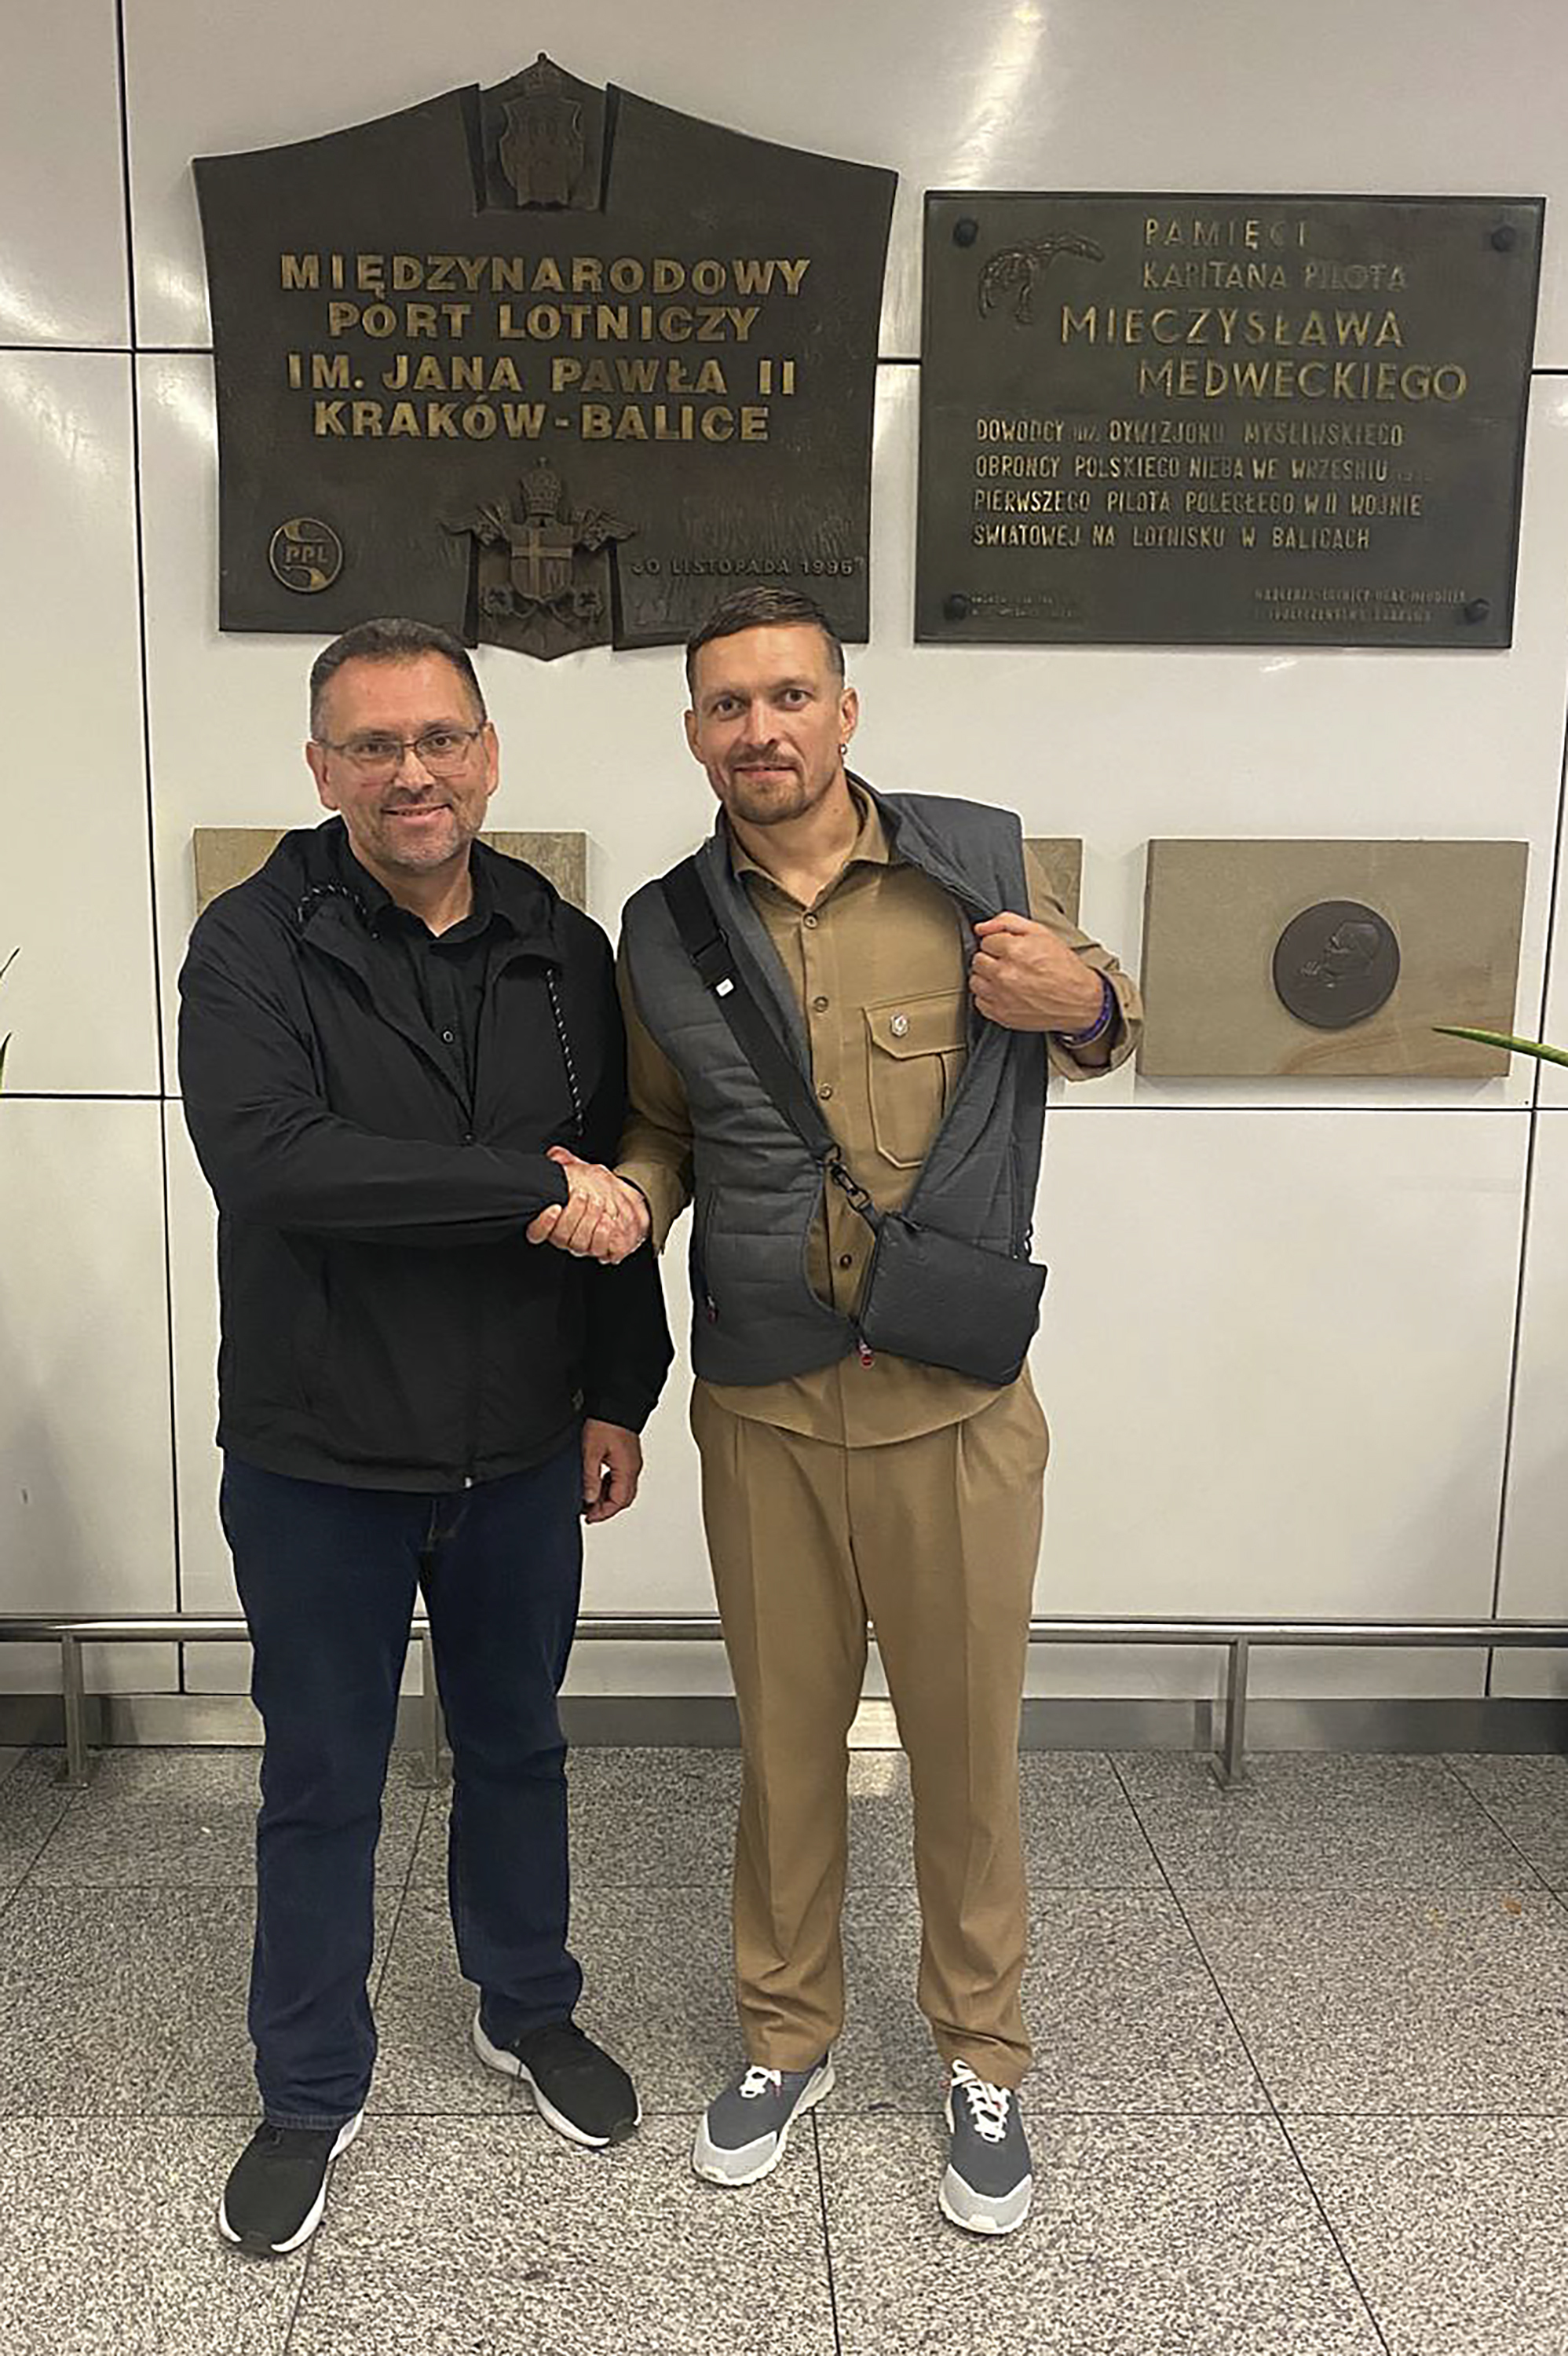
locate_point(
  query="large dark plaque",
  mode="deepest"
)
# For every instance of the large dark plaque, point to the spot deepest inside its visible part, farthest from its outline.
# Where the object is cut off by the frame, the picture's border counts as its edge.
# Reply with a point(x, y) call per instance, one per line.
point(545, 363)
point(1289, 421)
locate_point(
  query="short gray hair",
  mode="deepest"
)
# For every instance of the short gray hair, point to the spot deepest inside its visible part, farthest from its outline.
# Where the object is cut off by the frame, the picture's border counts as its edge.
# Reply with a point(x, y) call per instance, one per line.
point(390, 639)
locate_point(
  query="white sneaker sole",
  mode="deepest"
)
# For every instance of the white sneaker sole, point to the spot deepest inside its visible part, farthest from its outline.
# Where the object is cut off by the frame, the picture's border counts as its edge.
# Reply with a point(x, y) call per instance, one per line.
point(708, 2160)
point(346, 2135)
point(1004, 2216)
point(495, 2057)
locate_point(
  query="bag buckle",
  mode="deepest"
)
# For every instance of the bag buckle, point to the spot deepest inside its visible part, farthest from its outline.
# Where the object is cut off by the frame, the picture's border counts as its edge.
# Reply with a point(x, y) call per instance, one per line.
point(713, 966)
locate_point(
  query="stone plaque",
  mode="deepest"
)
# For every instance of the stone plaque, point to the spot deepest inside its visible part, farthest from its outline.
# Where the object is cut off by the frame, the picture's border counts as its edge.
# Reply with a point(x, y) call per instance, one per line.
point(1297, 959)
point(1286, 421)
point(543, 363)
point(224, 855)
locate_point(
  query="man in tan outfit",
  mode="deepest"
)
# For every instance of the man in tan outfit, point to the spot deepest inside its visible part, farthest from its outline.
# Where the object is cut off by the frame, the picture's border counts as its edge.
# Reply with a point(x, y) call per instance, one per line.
point(842, 1486)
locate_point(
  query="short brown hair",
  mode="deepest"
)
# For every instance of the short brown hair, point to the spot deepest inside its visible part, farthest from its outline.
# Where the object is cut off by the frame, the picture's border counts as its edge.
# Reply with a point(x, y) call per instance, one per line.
point(391, 638)
point(759, 607)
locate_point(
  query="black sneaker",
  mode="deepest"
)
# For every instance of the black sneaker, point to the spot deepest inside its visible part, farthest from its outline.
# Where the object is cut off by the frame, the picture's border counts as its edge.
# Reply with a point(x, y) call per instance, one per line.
point(577, 2088)
point(277, 2189)
point(988, 2184)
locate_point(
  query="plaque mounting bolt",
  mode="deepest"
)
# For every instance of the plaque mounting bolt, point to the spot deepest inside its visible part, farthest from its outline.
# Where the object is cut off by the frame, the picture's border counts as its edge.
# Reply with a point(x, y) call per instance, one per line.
point(1479, 609)
point(965, 232)
point(956, 609)
point(1505, 237)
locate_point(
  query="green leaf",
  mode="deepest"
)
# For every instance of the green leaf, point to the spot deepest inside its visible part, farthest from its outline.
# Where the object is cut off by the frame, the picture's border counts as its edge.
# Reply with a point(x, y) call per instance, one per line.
point(5, 1043)
point(1504, 1039)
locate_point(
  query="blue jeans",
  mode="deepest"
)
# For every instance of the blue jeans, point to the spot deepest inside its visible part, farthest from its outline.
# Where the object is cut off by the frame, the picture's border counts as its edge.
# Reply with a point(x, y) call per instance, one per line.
point(328, 1577)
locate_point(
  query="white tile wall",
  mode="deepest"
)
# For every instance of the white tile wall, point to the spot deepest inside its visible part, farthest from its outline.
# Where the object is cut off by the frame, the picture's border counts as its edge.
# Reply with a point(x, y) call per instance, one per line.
point(1274, 1358)
point(86, 1489)
point(73, 869)
point(62, 256)
point(1279, 1326)
point(206, 1582)
point(1551, 1080)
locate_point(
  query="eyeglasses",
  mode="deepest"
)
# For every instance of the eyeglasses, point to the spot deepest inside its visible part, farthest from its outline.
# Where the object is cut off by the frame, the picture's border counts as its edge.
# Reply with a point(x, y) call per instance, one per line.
point(442, 751)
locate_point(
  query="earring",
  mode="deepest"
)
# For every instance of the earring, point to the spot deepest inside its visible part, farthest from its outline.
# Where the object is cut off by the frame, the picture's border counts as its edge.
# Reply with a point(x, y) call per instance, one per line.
point(842, 750)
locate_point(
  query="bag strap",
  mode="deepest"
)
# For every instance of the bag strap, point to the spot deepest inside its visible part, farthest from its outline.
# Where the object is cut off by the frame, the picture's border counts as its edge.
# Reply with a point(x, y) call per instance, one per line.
point(708, 945)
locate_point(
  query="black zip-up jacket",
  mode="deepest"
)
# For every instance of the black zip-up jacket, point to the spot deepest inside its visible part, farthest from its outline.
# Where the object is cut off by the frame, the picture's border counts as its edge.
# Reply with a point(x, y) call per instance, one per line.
point(385, 1322)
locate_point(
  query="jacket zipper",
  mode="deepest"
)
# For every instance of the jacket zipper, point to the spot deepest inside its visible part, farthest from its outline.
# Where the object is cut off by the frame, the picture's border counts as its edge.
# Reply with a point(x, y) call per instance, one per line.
point(471, 1444)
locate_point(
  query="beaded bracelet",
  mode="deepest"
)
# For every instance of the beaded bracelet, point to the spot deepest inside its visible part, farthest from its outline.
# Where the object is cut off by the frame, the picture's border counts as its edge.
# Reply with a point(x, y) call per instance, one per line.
point(1101, 1024)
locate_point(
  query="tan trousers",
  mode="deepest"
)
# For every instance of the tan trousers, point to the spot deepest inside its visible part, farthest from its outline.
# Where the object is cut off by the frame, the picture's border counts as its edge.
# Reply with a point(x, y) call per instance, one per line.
point(934, 1540)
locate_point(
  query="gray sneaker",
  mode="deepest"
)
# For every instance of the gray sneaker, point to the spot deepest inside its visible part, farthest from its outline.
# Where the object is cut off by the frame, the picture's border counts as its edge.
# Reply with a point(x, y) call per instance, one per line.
point(988, 2184)
point(744, 2129)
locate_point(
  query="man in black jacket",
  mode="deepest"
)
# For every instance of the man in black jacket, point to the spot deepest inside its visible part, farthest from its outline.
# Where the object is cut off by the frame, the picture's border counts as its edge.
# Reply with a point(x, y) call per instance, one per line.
point(396, 1048)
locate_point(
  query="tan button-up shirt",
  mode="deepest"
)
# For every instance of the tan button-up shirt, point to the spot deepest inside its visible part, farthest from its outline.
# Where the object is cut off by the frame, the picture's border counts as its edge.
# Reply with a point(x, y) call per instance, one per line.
point(880, 964)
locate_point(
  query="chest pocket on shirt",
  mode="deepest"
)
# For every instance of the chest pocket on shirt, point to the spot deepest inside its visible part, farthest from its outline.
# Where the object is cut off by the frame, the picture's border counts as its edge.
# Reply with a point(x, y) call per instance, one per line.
point(916, 1049)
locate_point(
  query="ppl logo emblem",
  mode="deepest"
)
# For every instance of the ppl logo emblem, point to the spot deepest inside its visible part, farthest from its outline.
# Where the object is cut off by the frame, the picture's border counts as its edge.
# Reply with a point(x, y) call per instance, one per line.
point(305, 554)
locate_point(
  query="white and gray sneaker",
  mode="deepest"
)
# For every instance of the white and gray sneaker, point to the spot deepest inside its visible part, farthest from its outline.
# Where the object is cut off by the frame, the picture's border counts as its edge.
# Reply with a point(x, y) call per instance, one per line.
point(989, 2183)
point(744, 2129)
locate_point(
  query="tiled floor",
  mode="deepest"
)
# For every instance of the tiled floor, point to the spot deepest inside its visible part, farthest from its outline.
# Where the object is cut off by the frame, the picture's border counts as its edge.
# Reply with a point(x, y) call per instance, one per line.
point(1302, 2084)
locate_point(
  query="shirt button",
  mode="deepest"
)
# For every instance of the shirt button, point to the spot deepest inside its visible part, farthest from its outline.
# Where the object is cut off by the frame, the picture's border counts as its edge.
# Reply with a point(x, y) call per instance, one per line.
point(899, 1026)
point(810, 923)
point(468, 1137)
point(846, 1259)
point(825, 1091)
point(449, 1037)
point(819, 1006)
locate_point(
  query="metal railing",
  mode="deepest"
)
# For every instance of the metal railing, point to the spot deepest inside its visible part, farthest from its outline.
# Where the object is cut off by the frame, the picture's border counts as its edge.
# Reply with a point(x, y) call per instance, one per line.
point(1238, 1638)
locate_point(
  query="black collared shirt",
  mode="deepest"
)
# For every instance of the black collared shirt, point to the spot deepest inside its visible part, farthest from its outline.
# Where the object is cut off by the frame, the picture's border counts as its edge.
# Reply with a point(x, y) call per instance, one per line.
point(447, 971)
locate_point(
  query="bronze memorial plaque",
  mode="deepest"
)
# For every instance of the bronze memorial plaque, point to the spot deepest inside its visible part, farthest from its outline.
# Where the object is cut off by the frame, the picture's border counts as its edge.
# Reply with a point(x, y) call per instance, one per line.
point(544, 363)
point(1231, 421)
point(1335, 964)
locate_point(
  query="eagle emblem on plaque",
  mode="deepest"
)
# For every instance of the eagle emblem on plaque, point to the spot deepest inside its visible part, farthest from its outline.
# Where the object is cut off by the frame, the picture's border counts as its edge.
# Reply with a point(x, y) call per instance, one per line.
point(542, 148)
point(542, 573)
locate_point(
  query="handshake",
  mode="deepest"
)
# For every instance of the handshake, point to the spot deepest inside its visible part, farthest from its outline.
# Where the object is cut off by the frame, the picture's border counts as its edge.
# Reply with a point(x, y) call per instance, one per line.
point(602, 1219)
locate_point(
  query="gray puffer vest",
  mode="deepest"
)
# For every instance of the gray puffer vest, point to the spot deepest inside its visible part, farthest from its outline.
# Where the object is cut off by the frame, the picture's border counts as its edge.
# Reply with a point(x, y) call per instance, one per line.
point(757, 1189)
